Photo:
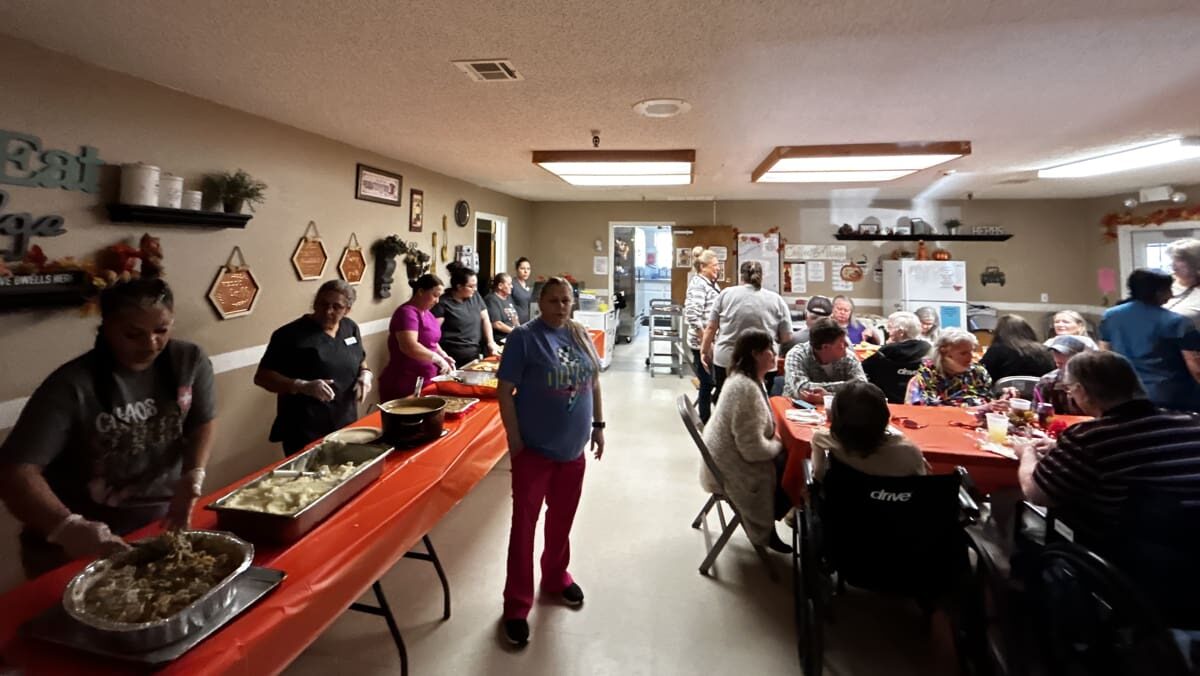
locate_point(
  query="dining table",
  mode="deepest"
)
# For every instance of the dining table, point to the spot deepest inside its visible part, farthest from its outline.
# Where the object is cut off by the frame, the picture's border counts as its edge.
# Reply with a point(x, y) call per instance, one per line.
point(946, 435)
point(326, 570)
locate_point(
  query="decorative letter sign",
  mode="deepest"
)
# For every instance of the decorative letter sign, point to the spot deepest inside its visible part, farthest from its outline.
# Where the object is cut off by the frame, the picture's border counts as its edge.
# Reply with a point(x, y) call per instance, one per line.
point(22, 226)
point(353, 263)
point(21, 153)
point(310, 256)
point(235, 290)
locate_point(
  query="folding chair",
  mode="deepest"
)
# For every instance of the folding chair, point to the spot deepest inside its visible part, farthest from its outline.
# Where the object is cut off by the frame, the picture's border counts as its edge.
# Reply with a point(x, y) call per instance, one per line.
point(1022, 384)
point(687, 413)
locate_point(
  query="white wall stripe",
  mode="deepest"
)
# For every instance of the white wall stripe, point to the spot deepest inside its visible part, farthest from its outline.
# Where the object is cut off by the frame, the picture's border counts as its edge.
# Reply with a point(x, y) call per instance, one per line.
point(222, 363)
point(1010, 307)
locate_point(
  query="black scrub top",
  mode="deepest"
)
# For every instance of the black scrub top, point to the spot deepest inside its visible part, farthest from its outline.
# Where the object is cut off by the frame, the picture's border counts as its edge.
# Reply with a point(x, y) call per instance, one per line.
point(303, 350)
point(462, 326)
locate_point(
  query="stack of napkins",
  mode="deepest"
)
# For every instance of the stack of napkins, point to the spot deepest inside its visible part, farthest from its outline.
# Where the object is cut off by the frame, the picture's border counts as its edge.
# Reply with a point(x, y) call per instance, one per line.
point(805, 416)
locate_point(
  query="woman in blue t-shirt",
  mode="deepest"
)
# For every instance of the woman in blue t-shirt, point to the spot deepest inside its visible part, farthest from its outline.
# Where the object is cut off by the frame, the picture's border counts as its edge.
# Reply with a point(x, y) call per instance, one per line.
point(549, 396)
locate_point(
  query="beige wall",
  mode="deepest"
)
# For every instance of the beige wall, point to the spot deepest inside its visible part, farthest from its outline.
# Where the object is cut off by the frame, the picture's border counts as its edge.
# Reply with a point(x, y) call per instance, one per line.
point(68, 104)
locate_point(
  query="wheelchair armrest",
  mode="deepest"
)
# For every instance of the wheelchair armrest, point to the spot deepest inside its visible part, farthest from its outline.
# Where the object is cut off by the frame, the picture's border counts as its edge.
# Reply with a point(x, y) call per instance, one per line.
point(968, 494)
point(808, 472)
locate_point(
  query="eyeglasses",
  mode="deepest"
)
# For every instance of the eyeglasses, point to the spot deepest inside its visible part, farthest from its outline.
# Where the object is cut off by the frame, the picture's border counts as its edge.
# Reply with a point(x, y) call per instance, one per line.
point(336, 307)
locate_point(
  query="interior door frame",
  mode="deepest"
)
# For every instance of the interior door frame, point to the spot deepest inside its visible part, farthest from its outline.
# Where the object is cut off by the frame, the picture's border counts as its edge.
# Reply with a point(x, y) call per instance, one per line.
point(612, 241)
point(499, 239)
point(1125, 243)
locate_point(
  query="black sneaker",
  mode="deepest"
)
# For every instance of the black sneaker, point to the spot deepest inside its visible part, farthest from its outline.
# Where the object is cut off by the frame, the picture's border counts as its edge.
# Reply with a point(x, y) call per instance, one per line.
point(573, 595)
point(517, 632)
point(778, 545)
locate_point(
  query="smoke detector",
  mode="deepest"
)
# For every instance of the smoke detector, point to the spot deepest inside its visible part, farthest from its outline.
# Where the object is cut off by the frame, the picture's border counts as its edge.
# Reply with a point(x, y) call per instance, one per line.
point(662, 107)
point(488, 70)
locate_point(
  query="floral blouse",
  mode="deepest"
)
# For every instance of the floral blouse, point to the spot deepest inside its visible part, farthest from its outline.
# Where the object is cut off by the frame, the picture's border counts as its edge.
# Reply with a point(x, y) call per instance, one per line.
point(935, 388)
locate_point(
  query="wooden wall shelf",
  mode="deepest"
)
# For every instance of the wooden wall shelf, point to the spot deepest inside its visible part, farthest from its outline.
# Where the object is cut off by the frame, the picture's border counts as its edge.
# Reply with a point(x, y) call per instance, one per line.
point(856, 237)
point(135, 213)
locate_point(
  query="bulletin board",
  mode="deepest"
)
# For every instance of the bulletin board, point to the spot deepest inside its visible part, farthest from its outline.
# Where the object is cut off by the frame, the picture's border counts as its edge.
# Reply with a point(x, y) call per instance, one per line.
point(765, 250)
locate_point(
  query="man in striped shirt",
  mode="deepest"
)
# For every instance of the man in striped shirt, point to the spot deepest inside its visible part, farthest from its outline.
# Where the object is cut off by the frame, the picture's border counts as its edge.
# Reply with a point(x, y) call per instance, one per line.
point(1132, 450)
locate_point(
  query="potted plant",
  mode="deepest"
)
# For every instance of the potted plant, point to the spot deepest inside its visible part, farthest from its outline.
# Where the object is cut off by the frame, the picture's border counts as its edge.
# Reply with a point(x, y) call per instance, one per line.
point(952, 226)
point(235, 189)
point(416, 262)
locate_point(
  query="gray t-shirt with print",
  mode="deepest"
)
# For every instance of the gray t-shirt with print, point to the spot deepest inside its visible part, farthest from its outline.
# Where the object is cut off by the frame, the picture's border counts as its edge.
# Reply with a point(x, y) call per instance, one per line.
point(115, 456)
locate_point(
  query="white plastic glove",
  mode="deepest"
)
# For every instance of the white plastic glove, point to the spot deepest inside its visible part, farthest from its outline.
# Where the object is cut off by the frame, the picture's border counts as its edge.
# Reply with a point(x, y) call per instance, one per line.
point(187, 490)
point(321, 390)
point(443, 366)
point(363, 387)
point(81, 538)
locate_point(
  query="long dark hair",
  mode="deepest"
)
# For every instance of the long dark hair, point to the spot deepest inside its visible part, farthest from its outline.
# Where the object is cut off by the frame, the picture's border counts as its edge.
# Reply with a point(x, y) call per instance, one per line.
point(752, 274)
point(460, 274)
point(859, 417)
point(1014, 332)
point(135, 294)
point(749, 343)
point(520, 260)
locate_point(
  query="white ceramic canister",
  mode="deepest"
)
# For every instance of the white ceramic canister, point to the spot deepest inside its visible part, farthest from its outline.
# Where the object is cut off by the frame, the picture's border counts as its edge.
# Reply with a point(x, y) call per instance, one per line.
point(170, 191)
point(193, 199)
point(139, 184)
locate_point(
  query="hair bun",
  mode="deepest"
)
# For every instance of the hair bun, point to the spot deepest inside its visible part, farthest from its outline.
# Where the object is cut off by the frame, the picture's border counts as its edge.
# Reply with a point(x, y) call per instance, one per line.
point(696, 251)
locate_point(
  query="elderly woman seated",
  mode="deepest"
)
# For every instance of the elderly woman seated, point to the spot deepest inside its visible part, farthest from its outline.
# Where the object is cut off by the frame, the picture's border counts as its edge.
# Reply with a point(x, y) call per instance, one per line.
point(858, 436)
point(741, 437)
point(897, 362)
point(951, 378)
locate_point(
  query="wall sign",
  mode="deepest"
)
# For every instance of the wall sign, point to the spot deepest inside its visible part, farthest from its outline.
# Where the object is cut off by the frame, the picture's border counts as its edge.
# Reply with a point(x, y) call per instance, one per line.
point(23, 162)
point(22, 226)
point(310, 256)
point(235, 290)
point(353, 264)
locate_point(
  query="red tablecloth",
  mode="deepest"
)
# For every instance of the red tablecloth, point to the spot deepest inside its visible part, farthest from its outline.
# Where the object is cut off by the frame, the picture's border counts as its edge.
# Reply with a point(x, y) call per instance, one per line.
point(943, 445)
point(326, 570)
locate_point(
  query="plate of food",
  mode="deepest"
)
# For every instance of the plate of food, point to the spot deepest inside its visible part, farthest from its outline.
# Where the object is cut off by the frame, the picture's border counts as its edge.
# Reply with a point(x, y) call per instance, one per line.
point(459, 405)
point(482, 366)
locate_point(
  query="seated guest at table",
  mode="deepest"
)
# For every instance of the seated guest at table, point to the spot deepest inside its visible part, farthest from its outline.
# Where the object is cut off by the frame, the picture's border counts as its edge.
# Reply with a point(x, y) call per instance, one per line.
point(736, 309)
point(550, 404)
point(1071, 323)
point(1164, 347)
point(741, 438)
point(500, 307)
point(318, 368)
point(522, 289)
point(822, 365)
point(930, 324)
point(112, 440)
point(413, 349)
point(702, 292)
point(816, 308)
point(858, 436)
point(894, 364)
point(858, 332)
point(951, 378)
point(1185, 264)
point(1015, 351)
point(466, 326)
point(1051, 388)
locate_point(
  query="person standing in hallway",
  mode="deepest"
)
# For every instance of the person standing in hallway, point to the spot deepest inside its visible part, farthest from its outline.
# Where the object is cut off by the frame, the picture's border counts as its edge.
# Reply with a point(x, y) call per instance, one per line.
point(702, 292)
point(550, 404)
point(500, 307)
point(522, 289)
point(738, 308)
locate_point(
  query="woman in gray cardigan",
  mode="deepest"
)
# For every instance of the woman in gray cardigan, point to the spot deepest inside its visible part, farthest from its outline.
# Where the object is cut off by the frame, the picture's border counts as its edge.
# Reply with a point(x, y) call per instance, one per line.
point(741, 438)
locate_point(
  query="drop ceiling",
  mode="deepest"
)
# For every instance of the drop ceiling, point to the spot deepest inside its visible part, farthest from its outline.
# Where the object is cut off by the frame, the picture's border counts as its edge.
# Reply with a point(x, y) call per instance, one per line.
point(1030, 83)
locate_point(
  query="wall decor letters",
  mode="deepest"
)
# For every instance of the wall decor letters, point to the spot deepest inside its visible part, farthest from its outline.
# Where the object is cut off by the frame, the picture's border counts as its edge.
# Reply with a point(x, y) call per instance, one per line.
point(20, 155)
point(22, 226)
point(310, 256)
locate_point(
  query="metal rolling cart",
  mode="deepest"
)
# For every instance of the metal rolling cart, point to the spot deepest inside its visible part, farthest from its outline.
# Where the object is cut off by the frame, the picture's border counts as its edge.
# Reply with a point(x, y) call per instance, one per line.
point(666, 329)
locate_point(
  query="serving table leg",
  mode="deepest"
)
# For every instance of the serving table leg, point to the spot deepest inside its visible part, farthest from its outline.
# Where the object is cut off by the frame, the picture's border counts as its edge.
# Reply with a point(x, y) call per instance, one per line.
point(385, 611)
point(432, 557)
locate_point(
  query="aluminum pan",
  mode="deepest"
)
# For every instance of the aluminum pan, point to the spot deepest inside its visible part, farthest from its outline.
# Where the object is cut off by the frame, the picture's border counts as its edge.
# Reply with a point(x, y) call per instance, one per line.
point(145, 636)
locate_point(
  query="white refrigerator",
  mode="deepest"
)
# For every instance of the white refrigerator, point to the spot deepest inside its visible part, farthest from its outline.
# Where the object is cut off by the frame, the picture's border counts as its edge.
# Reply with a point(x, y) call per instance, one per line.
point(942, 285)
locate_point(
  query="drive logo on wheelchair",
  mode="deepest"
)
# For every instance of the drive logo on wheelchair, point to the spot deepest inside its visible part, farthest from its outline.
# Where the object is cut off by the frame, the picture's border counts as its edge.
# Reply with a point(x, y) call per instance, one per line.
point(890, 497)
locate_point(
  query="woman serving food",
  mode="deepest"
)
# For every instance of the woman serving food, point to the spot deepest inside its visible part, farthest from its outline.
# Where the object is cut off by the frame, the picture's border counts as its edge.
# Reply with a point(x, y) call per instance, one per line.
point(114, 439)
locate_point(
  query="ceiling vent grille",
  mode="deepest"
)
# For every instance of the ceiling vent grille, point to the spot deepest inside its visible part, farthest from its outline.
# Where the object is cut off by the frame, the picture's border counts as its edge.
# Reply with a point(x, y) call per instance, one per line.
point(489, 70)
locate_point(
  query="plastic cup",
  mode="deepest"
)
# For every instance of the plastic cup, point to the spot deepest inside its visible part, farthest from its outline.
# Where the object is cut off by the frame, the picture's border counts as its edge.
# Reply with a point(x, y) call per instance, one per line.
point(828, 401)
point(997, 427)
point(1020, 404)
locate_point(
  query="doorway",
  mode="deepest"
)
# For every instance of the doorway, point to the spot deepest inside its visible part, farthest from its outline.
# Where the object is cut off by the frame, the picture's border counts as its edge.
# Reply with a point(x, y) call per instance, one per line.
point(493, 246)
point(640, 259)
point(1146, 247)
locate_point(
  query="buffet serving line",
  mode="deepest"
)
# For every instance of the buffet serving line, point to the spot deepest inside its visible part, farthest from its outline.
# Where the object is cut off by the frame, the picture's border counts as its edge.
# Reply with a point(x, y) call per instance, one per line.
point(946, 435)
point(324, 572)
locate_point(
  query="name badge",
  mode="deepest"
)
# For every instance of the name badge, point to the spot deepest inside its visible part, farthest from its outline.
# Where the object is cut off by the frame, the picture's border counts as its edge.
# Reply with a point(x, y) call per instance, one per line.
point(351, 340)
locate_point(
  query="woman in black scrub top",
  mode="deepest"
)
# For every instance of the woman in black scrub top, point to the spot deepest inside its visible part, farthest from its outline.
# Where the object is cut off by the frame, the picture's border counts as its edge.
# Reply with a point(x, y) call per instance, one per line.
point(318, 367)
point(466, 327)
point(522, 289)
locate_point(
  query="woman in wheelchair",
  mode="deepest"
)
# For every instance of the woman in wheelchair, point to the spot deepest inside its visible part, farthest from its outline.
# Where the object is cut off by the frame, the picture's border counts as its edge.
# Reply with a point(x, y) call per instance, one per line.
point(859, 436)
point(741, 438)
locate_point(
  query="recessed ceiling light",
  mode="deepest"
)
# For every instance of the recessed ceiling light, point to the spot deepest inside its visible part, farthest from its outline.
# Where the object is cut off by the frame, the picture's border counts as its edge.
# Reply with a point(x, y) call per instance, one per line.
point(662, 107)
point(1151, 155)
point(862, 162)
point(618, 167)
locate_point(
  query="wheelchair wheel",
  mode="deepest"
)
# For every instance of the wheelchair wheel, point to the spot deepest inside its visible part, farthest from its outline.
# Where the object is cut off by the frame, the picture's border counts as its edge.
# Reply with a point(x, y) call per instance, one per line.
point(806, 578)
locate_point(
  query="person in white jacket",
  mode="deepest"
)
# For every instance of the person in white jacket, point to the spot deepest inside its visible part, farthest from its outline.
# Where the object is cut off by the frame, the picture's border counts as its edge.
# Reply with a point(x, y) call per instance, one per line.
point(702, 292)
point(741, 438)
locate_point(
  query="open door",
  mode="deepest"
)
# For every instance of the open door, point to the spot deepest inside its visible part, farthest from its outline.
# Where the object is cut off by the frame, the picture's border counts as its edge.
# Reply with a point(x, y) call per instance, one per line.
point(710, 237)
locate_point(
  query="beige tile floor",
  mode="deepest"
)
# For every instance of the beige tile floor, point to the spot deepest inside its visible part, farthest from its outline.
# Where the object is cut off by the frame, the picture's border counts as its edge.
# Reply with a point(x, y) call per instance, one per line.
point(648, 610)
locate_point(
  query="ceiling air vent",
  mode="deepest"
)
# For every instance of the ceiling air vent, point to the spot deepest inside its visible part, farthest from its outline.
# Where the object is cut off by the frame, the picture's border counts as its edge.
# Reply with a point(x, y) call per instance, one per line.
point(489, 70)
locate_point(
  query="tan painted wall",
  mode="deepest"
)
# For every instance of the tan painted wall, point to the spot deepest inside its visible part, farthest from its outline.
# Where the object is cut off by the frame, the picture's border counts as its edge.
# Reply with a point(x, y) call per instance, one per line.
point(68, 104)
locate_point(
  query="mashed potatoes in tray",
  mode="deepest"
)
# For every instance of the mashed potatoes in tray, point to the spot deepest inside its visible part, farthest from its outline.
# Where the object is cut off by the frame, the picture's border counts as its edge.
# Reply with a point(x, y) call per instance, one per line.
point(289, 494)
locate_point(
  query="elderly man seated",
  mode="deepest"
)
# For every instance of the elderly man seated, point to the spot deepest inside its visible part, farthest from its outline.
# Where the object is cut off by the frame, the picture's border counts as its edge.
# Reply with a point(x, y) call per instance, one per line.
point(821, 366)
point(897, 362)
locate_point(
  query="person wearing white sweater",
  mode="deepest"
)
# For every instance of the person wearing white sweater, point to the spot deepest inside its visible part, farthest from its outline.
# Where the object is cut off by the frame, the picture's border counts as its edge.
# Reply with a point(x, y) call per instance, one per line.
point(741, 438)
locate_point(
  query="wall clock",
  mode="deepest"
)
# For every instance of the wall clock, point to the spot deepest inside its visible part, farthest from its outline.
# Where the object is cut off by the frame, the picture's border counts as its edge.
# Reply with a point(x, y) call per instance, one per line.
point(462, 213)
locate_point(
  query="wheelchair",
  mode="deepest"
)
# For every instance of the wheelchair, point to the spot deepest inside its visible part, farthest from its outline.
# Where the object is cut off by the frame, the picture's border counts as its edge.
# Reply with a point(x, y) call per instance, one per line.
point(901, 536)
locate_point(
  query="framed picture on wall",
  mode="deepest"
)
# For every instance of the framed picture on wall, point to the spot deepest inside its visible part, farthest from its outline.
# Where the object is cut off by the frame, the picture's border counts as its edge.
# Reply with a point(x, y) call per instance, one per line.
point(377, 185)
point(416, 210)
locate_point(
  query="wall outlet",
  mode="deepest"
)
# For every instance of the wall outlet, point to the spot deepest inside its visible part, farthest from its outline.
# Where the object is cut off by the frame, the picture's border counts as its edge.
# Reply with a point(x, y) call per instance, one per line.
point(1045, 298)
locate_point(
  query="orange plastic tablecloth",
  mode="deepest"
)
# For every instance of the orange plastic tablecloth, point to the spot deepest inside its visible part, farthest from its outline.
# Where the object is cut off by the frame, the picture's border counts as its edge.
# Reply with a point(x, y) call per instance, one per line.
point(327, 570)
point(943, 445)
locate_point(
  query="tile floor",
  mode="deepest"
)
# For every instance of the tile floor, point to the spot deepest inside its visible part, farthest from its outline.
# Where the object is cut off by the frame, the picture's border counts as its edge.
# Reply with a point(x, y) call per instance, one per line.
point(648, 610)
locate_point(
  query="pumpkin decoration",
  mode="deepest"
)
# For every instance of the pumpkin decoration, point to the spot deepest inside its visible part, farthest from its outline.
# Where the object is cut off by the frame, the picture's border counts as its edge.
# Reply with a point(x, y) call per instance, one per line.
point(941, 255)
point(852, 272)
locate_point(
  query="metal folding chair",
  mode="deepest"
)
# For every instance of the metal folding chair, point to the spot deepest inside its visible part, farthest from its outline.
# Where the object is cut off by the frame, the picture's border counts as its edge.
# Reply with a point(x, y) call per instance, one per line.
point(1023, 384)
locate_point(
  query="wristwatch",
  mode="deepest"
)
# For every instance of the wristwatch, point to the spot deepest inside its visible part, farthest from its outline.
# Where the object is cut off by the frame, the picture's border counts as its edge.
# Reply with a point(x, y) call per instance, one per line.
point(598, 425)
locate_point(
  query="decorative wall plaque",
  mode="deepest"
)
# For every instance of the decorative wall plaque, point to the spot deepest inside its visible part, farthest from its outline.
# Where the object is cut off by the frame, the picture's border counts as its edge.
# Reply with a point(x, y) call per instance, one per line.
point(416, 210)
point(22, 226)
point(310, 256)
point(235, 290)
point(353, 263)
point(20, 155)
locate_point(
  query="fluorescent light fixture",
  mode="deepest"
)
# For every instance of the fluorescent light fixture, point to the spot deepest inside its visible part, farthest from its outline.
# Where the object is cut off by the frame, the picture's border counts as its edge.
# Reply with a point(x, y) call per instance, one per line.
point(1151, 155)
point(855, 163)
point(594, 168)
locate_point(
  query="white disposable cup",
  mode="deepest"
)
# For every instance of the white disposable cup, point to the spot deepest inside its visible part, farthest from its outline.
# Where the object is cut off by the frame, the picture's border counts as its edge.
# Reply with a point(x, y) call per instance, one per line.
point(997, 427)
point(1020, 404)
point(828, 401)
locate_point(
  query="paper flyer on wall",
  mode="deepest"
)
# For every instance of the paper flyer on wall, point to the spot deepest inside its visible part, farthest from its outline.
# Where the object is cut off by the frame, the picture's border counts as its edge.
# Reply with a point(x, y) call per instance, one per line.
point(795, 278)
point(765, 250)
point(840, 284)
point(816, 271)
point(599, 265)
point(722, 252)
